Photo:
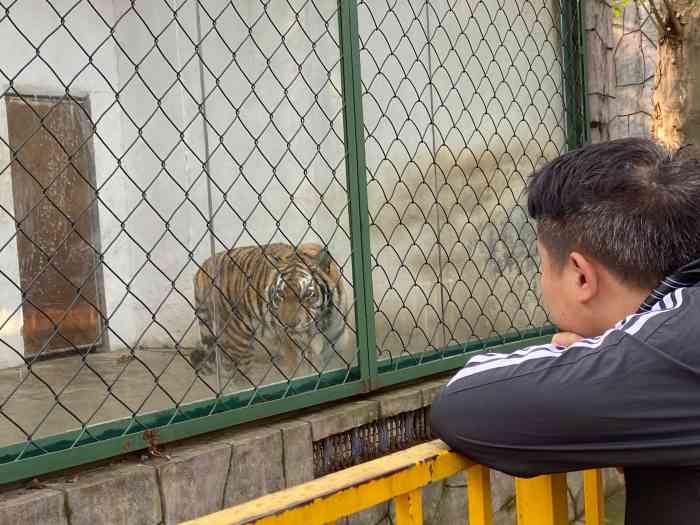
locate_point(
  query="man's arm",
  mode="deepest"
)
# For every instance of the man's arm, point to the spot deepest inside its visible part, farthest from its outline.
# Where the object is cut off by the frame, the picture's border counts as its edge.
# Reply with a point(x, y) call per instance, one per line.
point(616, 400)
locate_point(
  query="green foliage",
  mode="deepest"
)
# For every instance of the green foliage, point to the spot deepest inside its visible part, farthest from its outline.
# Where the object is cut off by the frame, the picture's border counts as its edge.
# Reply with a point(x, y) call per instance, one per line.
point(618, 6)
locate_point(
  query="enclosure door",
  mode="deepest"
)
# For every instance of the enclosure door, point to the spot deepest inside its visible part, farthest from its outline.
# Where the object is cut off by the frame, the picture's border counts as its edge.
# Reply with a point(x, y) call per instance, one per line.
point(53, 184)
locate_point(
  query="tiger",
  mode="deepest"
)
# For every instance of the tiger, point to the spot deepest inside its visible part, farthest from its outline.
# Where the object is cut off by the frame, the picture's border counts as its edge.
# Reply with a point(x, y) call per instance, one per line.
point(296, 295)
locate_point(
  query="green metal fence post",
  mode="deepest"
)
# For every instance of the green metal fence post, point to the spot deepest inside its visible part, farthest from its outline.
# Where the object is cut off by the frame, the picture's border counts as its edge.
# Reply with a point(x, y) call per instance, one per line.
point(573, 49)
point(356, 171)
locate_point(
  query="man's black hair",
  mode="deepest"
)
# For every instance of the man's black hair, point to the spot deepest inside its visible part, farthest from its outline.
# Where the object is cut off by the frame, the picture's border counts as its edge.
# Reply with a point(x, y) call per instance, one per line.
point(632, 204)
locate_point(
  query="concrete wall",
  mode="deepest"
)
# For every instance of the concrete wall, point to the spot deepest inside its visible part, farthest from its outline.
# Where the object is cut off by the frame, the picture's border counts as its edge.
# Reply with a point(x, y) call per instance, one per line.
point(454, 129)
point(150, 146)
point(204, 475)
point(37, 21)
point(124, 165)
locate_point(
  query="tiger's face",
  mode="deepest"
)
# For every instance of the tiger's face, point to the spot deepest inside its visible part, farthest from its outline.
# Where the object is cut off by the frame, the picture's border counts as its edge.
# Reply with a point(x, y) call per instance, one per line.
point(297, 301)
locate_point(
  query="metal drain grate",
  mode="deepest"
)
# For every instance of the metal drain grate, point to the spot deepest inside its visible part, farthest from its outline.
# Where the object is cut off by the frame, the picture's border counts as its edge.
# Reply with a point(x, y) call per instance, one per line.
point(371, 441)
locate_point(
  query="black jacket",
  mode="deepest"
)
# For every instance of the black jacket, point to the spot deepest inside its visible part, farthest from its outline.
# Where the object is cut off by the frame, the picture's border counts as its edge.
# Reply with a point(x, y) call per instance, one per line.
point(629, 398)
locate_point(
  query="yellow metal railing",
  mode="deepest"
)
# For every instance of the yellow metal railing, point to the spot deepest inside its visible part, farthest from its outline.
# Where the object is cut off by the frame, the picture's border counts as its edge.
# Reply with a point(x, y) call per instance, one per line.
point(401, 477)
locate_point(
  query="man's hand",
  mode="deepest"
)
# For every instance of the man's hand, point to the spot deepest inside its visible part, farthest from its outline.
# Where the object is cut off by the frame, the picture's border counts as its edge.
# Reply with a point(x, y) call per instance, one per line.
point(566, 339)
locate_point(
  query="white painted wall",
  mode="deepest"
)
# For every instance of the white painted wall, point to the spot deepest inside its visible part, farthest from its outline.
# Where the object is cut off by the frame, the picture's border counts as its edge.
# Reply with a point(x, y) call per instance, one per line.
point(126, 169)
point(61, 66)
point(10, 296)
point(162, 174)
point(148, 171)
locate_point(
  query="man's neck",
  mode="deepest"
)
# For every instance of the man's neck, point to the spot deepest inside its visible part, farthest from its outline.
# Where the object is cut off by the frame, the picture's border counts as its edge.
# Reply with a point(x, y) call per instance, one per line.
point(617, 302)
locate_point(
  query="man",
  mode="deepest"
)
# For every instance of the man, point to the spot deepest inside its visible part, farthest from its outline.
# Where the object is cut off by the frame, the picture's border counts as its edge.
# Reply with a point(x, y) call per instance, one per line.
point(618, 227)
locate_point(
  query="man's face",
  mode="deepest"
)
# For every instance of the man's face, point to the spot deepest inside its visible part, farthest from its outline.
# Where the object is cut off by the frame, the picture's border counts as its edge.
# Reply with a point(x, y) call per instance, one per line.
point(558, 283)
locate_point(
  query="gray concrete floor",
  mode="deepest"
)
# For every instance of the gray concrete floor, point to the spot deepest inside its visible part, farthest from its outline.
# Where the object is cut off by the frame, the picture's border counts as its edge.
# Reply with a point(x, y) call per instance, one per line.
point(60, 393)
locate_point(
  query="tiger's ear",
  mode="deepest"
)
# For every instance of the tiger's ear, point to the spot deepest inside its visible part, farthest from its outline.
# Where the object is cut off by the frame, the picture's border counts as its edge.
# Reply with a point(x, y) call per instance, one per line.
point(325, 260)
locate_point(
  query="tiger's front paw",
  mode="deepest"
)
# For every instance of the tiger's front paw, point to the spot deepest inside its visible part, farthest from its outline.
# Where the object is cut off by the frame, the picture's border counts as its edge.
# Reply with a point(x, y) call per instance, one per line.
point(203, 361)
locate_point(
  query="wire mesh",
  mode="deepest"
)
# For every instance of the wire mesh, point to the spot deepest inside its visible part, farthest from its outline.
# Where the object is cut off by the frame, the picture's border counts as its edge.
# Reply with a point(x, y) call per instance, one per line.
point(171, 132)
point(461, 101)
point(176, 204)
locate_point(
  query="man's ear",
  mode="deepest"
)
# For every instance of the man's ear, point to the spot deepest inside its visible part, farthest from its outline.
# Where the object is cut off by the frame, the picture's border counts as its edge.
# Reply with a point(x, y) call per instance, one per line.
point(585, 273)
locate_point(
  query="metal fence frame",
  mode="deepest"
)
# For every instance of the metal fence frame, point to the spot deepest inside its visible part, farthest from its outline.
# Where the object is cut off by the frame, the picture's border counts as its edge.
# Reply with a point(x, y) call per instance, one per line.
point(111, 439)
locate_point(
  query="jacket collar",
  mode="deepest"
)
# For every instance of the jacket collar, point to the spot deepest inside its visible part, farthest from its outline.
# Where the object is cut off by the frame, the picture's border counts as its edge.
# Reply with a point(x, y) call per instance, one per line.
point(688, 275)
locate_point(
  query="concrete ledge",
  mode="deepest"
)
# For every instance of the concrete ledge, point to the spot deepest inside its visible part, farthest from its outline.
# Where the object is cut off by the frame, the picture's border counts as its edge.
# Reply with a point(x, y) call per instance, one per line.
point(431, 389)
point(119, 495)
point(397, 402)
point(298, 452)
point(192, 482)
point(339, 419)
point(46, 507)
point(257, 466)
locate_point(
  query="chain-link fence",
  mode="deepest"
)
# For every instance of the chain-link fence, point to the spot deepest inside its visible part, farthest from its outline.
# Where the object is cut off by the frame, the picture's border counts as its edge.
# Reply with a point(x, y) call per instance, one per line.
point(458, 113)
point(213, 212)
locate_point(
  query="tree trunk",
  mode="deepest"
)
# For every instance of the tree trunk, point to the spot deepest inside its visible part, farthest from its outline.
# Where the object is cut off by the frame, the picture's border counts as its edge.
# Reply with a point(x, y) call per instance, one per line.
point(600, 66)
point(676, 98)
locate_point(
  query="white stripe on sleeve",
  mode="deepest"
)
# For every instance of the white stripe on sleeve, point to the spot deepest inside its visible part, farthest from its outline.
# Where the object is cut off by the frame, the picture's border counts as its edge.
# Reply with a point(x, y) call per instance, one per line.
point(631, 325)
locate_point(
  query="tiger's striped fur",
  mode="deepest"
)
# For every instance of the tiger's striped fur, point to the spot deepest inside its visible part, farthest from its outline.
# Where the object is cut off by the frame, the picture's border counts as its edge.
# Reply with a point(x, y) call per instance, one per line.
point(248, 293)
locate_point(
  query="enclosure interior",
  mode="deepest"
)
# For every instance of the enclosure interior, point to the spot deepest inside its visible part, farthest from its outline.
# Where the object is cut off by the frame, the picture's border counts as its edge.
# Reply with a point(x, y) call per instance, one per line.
point(138, 139)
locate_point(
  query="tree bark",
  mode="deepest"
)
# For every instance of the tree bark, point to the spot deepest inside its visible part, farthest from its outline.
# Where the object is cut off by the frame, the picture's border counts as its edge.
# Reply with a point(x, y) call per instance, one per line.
point(676, 98)
point(600, 67)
